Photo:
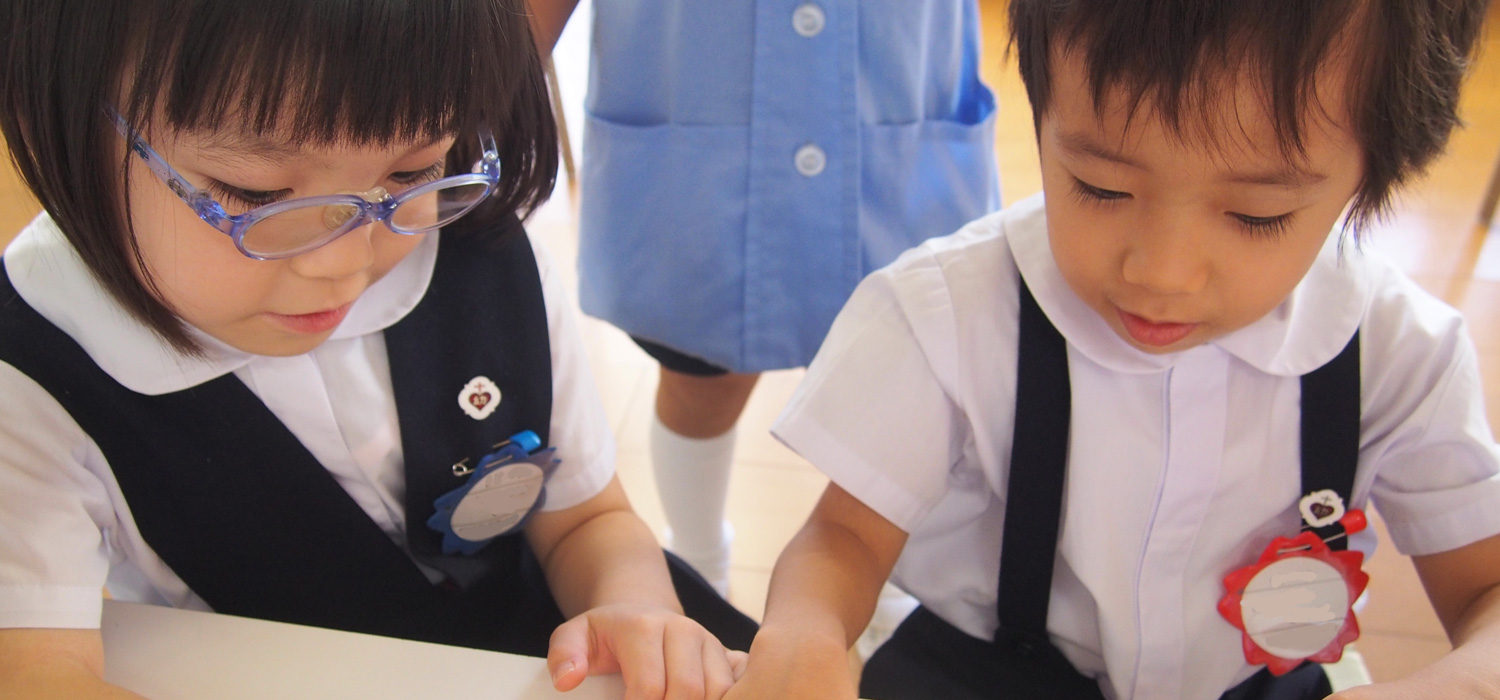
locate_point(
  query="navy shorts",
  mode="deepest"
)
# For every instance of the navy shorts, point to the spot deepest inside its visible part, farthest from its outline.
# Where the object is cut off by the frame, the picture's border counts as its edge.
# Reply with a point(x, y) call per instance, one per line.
point(679, 362)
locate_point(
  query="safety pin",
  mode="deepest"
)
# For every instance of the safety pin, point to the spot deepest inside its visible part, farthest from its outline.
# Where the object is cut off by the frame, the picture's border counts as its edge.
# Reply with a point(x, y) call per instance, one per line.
point(1304, 548)
point(462, 468)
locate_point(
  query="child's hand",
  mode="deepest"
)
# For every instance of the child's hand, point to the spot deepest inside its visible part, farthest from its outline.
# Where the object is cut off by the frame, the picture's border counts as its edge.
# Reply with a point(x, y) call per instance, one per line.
point(1411, 689)
point(791, 666)
point(661, 654)
point(1457, 676)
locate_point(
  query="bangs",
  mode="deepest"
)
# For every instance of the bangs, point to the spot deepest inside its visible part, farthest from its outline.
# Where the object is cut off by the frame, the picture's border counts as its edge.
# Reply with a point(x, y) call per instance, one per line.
point(1403, 62)
point(353, 72)
point(1185, 56)
point(316, 73)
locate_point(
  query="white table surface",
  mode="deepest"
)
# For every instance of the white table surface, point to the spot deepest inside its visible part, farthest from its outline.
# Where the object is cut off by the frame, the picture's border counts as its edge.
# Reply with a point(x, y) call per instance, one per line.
point(168, 654)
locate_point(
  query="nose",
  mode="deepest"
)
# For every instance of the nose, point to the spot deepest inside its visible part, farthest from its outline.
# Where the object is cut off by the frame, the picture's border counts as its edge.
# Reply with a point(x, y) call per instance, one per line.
point(342, 257)
point(1167, 257)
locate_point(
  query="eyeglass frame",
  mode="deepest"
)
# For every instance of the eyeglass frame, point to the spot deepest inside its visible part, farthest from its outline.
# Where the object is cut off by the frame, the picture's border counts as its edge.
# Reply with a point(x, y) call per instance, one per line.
point(486, 171)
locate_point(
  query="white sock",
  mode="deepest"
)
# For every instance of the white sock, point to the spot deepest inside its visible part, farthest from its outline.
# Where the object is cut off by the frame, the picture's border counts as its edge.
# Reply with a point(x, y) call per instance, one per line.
point(692, 478)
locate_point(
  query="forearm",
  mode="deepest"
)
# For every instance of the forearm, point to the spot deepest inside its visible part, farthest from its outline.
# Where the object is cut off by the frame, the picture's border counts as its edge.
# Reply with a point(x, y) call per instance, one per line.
point(610, 558)
point(1480, 623)
point(1464, 587)
point(49, 683)
point(823, 591)
point(54, 664)
point(1476, 645)
point(825, 585)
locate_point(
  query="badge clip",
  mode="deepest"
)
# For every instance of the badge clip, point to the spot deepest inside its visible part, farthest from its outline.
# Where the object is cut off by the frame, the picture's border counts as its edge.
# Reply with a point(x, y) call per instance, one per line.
point(1296, 603)
point(499, 496)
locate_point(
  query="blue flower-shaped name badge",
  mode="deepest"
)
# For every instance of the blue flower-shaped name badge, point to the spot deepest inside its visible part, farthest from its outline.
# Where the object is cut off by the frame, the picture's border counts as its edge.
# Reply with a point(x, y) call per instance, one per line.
point(500, 495)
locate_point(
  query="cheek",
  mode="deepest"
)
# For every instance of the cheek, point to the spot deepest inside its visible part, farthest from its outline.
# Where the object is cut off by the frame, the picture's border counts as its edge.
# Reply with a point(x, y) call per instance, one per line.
point(1264, 278)
point(390, 249)
point(1081, 246)
point(196, 269)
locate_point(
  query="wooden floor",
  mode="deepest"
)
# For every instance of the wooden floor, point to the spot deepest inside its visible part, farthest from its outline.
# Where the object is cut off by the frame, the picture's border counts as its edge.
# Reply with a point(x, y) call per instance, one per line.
point(1433, 233)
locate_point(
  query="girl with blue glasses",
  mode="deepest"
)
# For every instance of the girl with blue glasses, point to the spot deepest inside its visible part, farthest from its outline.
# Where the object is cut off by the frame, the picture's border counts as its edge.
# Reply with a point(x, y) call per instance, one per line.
point(280, 347)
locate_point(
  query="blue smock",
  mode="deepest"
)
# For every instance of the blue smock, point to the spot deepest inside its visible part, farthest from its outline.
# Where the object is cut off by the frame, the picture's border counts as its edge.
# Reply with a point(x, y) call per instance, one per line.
point(747, 162)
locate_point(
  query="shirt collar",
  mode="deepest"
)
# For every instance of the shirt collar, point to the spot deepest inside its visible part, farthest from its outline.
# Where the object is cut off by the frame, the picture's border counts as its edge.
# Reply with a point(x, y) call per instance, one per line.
point(48, 273)
point(1300, 335)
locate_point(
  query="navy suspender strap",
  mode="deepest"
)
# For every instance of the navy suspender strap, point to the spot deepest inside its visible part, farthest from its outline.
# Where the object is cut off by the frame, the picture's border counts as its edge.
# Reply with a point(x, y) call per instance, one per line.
point(1038, 466)
point(1330, 433)
point(1039, 461)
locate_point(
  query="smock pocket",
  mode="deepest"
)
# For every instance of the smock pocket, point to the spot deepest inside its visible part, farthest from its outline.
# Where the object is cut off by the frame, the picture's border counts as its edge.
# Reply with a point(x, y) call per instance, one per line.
point(925, 179)
point(661, 233)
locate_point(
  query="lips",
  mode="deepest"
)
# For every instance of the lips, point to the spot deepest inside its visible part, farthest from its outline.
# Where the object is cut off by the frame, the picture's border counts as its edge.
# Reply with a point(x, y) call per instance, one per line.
point(312, 323)
point(1154, 334)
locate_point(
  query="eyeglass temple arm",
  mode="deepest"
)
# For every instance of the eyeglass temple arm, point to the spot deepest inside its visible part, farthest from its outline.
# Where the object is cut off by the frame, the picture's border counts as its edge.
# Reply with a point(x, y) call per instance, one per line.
point(200, 201)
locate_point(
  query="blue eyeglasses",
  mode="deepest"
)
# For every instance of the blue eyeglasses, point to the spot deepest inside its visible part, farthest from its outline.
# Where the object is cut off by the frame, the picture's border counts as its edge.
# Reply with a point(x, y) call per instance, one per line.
point(295, 226)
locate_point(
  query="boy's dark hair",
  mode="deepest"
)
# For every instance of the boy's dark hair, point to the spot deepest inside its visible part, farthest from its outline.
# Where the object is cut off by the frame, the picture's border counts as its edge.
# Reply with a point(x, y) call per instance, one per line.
point(1406, 57)
point(362, 72)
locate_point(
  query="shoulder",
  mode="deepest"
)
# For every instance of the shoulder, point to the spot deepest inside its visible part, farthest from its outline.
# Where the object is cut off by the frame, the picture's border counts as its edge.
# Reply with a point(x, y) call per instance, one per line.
point(29, 415)
point(967, 266)
point(1407, 332)
point(1402, 310)
point(960, 285)
point(948, 304)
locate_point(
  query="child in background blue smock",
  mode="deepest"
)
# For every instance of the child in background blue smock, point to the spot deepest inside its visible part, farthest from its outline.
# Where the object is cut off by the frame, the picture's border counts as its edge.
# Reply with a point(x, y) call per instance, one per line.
point(745, 164)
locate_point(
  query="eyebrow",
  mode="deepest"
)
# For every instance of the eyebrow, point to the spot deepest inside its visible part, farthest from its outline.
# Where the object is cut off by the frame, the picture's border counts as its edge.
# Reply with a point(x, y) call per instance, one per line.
point(1083, 145)
point(233, 145)
point(1289, 177)
point(239, 146)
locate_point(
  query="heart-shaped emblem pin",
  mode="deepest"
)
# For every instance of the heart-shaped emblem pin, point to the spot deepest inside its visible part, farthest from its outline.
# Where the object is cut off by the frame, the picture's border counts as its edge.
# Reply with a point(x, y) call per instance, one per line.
point(1321, 508)
point(479, 398)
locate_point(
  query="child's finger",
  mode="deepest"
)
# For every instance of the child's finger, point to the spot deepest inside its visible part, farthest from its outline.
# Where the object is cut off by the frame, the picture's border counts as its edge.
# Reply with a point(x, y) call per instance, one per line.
point(569, 652)
point(718, 672)
point(738, 662)
point(683, 651)
point(640, 656)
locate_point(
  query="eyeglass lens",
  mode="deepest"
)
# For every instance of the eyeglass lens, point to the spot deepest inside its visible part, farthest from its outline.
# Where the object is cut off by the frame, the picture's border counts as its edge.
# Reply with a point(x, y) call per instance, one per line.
point(301, 227)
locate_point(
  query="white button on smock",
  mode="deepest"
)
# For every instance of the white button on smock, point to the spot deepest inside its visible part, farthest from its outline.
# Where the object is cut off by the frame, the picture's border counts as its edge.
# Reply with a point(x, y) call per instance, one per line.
point(808, 19)
point(810, 160)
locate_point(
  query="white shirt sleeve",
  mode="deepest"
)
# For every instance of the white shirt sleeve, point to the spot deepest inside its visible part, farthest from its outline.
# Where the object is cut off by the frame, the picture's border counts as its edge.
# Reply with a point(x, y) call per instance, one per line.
point(1437, 482)
point(54, 511)
point(580, 429)
point(872, 412)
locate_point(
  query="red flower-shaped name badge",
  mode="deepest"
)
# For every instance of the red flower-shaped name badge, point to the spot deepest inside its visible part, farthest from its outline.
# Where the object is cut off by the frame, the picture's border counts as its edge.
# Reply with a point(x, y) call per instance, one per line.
point(1295, 603)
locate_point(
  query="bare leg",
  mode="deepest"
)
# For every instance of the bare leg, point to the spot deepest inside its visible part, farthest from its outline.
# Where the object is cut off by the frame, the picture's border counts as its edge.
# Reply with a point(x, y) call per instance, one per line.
point(702, 407)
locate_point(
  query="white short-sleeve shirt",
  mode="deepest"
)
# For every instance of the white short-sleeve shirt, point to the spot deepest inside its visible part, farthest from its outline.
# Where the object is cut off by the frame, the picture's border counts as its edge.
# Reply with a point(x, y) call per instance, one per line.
point(65, 529)
point(1182, 467)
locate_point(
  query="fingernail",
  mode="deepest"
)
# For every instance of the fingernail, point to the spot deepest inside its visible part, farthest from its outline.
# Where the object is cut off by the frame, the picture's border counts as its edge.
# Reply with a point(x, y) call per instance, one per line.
point(563, 670)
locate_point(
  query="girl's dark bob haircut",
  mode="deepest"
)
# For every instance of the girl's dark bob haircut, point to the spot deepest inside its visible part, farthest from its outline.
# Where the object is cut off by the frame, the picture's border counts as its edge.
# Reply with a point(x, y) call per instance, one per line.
point(317, 72)
point(1405, 61)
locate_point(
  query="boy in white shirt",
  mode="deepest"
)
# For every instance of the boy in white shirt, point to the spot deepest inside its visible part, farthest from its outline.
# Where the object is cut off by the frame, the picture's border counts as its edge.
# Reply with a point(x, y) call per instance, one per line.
point(1085, 507)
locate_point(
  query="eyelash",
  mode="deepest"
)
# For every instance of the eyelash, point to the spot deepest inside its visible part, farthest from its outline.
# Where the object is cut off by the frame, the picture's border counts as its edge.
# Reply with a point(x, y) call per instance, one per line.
point(228, 194)
point(250, 199)
point(1096, 195)
point(412, 178)
point(1260, 226)
point(1265, 226)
